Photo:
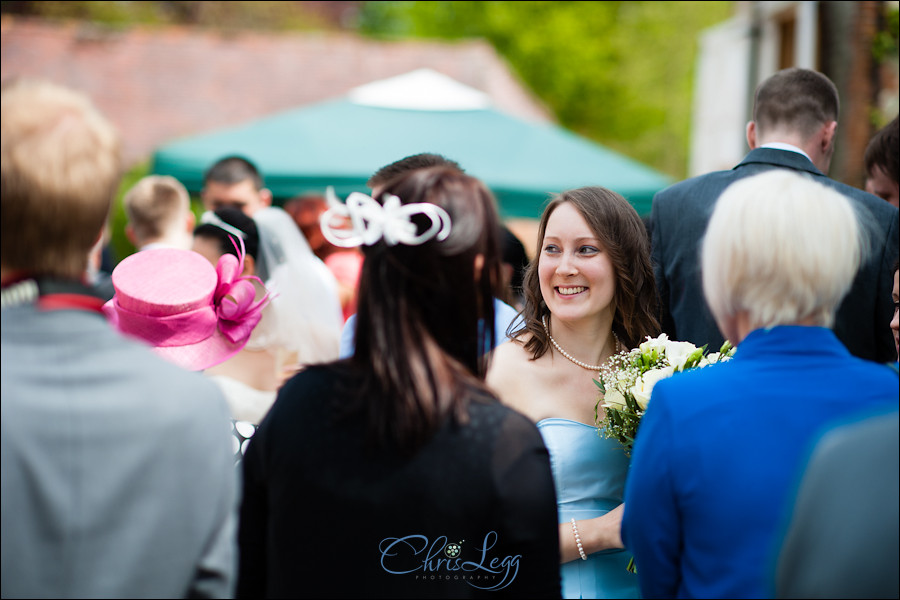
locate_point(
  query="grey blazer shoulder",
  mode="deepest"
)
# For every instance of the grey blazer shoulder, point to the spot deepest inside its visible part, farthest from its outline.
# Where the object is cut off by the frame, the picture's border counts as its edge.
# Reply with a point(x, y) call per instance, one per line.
point(830, 551)
point(678, 220)
point(117, 472)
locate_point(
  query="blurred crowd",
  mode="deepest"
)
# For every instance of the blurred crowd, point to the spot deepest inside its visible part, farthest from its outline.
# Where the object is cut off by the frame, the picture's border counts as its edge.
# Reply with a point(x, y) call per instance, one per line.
point(384, 395)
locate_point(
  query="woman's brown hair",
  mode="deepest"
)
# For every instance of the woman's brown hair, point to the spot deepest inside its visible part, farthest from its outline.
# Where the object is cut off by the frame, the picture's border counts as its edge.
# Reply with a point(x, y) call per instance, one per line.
point(426, 313)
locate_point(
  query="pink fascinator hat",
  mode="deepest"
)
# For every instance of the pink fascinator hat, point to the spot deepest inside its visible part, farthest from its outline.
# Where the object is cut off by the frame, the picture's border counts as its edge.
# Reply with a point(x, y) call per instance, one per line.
point(192, 314)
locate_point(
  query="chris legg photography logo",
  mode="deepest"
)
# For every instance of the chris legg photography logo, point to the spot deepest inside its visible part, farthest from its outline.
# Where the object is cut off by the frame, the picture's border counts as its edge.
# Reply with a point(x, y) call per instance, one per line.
point(449, 560)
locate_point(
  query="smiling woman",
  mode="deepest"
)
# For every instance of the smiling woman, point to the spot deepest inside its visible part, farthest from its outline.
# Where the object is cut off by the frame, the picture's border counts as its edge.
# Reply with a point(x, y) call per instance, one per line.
point(588, 293)
point(576, 275)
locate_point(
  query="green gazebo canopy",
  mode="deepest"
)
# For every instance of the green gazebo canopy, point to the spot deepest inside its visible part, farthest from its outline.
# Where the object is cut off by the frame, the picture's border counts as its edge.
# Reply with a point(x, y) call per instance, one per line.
point(341, 143)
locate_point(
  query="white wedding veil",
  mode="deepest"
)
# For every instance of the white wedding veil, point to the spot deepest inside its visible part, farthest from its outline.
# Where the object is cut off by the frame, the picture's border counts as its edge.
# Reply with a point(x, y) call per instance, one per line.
point(304, 315)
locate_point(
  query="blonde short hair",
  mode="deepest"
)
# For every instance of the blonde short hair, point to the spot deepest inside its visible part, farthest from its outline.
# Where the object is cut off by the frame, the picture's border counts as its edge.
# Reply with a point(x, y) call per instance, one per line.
point(60, 170)
point(781, 247)
point(155, 203)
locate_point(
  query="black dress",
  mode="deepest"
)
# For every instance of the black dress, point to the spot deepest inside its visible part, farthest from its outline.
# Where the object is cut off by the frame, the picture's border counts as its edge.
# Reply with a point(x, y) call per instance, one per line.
point(324, 514)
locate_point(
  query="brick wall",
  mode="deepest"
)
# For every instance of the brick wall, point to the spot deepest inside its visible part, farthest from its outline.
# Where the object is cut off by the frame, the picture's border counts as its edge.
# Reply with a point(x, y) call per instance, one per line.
point(159, 84)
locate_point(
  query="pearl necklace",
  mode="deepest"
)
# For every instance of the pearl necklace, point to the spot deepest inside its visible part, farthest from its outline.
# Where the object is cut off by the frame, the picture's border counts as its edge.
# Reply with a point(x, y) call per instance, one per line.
point(583, 365)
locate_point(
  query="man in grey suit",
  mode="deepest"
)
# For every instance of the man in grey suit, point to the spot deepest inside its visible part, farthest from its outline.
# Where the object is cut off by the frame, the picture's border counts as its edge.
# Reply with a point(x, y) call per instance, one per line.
point(794, 123)
point(117, 475)
point(844, 532)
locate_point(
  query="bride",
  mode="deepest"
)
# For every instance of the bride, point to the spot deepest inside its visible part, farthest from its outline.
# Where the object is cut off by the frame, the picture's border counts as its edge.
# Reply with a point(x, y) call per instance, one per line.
point(589, 293)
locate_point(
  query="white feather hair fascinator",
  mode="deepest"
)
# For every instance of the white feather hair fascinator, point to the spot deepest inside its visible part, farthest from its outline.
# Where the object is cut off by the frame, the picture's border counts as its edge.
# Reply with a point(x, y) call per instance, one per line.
point(372, 222)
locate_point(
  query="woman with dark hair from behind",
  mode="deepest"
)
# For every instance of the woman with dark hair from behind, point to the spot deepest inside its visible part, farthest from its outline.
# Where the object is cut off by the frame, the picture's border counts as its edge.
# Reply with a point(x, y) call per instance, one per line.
point(396, 472)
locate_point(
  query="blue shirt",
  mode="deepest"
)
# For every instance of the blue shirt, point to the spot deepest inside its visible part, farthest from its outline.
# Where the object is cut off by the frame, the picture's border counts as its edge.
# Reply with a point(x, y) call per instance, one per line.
point(504, 316)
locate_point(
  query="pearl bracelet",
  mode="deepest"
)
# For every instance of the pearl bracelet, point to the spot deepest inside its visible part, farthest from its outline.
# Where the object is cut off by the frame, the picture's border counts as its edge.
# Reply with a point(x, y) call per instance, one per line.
point(578, 541)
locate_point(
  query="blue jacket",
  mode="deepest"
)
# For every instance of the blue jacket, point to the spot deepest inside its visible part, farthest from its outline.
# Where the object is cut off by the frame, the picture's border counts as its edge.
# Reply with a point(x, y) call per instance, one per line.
point(720, 449)
point(506, 319)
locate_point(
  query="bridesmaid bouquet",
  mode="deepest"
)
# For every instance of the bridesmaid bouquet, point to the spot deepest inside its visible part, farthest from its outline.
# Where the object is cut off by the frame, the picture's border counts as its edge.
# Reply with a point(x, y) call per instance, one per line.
point(627, 380)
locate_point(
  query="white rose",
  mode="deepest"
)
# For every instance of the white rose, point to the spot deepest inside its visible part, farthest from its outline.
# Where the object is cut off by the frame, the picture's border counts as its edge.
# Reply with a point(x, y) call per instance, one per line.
point(678, 352)
point(614, 399)
point(658, 344)
point(643, 387)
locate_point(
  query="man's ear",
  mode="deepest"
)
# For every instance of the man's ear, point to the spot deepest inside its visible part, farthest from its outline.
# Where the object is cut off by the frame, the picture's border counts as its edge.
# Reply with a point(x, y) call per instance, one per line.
point(751, 135)
point(191, 221)
point(265, 196)
point(827, 139)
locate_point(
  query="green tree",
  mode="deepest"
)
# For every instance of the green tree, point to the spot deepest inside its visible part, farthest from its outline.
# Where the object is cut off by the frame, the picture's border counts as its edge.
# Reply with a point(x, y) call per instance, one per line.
point(620, 73)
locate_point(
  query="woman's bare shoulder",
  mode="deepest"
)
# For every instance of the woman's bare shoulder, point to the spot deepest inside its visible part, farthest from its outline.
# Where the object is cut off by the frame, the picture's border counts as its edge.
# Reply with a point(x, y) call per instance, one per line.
point(508, 357)
point(513, 375)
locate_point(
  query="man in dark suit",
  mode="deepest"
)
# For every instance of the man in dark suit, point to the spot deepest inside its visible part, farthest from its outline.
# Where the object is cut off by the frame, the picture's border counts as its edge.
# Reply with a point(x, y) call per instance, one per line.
point(794, 123)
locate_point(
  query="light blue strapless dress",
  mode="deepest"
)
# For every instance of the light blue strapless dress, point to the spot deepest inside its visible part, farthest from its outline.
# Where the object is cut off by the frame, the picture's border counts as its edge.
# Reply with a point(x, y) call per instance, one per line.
point(589, 473)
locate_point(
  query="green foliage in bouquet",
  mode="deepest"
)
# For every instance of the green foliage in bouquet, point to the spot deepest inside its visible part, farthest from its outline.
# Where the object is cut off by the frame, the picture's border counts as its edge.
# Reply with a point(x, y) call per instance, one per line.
point(627, 379)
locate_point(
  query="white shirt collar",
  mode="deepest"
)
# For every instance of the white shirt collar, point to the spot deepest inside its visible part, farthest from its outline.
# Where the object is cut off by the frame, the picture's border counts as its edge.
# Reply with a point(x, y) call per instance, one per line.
point(155, 245)
point(788, 147)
